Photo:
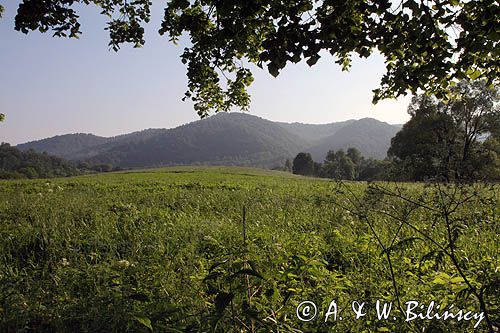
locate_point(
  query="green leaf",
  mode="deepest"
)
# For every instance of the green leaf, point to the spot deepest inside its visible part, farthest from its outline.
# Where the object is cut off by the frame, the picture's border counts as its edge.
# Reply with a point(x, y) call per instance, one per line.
point(441, 278)
point(457, 279)
point(313, 60)
point(273, 69)
point(474, 75)
point(145, 321)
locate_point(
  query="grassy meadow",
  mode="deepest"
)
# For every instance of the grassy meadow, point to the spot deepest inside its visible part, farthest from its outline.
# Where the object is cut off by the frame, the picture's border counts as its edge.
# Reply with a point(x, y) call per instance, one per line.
point(221, 249)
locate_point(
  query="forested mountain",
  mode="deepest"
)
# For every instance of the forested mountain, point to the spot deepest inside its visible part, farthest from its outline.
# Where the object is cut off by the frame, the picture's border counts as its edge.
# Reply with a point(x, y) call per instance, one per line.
point(233, 139)
point(314, 133)
point(370, 136)
point(65, 146)
point(225, 138)
point(80, 145)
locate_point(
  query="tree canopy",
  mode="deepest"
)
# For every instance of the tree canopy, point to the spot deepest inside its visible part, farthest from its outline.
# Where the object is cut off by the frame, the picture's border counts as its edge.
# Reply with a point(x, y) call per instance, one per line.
point(303, 164)
point(454, 140)
point(346, 166)
point(427, 45)
point(338, 165)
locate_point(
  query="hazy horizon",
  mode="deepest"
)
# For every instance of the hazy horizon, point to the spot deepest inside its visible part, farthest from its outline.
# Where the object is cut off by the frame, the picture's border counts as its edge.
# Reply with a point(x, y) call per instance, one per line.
point(54, 86)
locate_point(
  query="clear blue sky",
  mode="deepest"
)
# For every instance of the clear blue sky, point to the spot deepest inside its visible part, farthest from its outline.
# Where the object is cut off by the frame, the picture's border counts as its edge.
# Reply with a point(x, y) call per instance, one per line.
point(51, 86)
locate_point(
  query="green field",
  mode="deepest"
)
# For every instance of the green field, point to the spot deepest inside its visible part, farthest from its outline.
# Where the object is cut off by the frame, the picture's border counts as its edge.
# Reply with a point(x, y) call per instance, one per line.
point(220, 249)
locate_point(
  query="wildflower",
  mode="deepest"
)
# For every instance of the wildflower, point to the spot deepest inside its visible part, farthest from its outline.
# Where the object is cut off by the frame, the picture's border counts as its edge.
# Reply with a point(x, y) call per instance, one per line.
point(123, 263)
point(65, 262)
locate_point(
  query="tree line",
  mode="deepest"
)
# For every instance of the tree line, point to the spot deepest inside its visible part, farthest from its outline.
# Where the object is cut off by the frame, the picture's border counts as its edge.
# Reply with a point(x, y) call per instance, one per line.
point(456, 140)
point(347, 165)
point(17, 164)
point(30, 164)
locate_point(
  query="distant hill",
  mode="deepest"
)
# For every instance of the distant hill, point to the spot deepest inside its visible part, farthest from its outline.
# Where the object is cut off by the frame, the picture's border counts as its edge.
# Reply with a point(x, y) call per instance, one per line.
point(314, 133)
point(225, 139)
point(370, 136)
point(66, 146)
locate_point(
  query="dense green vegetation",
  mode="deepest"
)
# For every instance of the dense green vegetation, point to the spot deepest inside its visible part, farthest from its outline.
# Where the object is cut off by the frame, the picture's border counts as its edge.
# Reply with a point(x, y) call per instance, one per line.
point(350, 165)
point(455, 140)
point(16, 164)
point(30, 164)
point(191, 249)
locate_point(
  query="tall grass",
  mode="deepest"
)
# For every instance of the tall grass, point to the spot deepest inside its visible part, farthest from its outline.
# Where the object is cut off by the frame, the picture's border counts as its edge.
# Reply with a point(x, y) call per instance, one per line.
point(163, 250)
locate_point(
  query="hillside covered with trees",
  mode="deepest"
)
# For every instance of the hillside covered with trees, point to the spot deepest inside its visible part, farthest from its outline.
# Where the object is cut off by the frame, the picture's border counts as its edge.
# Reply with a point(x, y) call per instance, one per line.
point(30, 164)
point(225, 139)
point(18, 164)
point(456, 140)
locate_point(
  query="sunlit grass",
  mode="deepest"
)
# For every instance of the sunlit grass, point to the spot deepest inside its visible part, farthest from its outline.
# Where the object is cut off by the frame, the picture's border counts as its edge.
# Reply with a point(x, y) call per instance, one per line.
point(120, 251)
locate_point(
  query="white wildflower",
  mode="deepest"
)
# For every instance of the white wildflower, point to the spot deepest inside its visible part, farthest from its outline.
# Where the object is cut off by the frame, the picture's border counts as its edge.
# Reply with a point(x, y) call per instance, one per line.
point(123, 263)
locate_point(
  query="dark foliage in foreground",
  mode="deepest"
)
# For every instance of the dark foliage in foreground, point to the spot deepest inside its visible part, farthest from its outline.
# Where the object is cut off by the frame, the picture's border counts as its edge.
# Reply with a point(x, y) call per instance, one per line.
point(417, 39)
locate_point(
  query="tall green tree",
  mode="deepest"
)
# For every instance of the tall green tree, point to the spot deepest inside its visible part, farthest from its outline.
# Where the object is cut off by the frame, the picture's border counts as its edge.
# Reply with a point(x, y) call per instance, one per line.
point(426, 144)
point(303, 164)
point(355, 155)
point(372, 169)
point(488, 162)
point(338, 165)
point(356, 158)
point(474, 109)
point(426, 45)
point(443, 139)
